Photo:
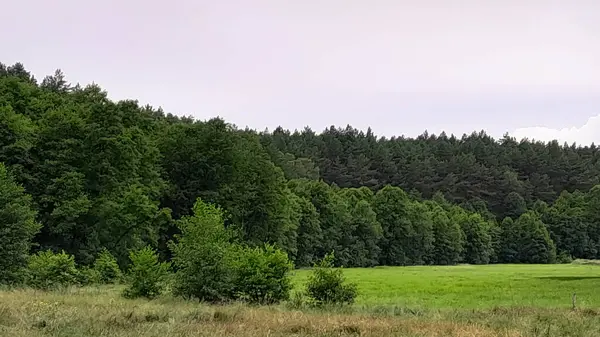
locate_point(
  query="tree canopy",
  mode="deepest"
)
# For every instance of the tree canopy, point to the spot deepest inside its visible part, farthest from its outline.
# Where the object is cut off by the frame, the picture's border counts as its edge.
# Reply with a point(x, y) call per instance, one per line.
point(101, 175)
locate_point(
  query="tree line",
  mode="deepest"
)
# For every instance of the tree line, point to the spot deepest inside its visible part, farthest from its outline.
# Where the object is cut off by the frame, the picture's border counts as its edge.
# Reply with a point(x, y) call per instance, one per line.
point(84, 174)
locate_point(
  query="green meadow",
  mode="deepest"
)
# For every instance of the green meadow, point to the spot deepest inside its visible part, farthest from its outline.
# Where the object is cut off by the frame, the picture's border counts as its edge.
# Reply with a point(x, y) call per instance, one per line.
point(461, 301)
point(472, 287)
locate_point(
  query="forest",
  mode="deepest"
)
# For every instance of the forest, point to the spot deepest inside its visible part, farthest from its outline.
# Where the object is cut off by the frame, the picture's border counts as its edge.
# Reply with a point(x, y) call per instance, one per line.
point(81, 173)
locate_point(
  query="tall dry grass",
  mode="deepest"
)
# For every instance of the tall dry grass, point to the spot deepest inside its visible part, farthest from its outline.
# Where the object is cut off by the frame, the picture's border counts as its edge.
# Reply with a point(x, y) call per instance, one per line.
point(101, 312)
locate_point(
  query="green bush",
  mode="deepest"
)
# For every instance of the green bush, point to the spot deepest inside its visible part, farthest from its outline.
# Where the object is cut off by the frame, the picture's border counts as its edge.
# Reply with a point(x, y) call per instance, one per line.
point(107, 268)
point(212, 267)
point(147, 276)
point(204, 256)
point(47, 270)
point(297, 300)
point(261, 275)
point(564, 258)
point(327, 285)
point(88, 276)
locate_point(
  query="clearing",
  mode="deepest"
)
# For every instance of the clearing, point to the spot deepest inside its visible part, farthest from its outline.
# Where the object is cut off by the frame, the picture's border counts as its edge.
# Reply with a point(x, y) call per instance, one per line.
point(475, 287)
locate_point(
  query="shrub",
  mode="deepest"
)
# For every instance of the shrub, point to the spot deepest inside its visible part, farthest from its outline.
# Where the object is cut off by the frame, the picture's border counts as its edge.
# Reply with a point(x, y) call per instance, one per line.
point(261, 275)
point(146, 276)
point(212, 267)
point(327, 285)
point(564, 258)
point(88, 276)
point(204, 256)
point(107, 268)
point(297, 300)
point(47, 270)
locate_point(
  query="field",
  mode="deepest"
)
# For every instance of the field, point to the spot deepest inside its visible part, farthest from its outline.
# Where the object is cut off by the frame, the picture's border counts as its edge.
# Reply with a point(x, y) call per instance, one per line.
point(508, 300)
point(476, 287)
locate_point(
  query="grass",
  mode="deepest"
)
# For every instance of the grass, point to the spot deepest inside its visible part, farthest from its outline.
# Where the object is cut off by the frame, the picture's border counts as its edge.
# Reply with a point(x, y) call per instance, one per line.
point(412, 301)
point(475, 287)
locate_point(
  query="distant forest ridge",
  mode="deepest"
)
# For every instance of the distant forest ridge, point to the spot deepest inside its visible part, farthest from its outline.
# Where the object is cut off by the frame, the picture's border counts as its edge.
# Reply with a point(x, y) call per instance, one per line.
point(115, 175)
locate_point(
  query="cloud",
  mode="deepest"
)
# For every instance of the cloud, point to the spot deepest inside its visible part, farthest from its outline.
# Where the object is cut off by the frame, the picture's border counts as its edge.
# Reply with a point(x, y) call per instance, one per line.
point(582, 135)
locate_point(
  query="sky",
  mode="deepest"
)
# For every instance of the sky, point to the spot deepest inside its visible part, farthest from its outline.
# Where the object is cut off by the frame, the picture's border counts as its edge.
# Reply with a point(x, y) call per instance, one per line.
point(527, 67)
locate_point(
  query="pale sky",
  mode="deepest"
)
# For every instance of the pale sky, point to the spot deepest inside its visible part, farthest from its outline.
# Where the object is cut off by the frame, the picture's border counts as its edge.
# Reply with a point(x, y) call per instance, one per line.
point(527, 67)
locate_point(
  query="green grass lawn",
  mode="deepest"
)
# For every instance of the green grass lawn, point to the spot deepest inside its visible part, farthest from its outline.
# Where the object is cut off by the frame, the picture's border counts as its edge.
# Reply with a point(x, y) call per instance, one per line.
point(488, 286)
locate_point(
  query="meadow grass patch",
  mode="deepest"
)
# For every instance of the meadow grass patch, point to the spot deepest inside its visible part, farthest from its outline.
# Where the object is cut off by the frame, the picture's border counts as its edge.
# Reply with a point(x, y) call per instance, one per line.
point(403, 301)
point(474, 287)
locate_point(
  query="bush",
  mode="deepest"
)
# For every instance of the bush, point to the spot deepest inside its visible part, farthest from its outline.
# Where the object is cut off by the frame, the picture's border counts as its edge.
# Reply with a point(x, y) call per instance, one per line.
point(212, 267)
point(297, 300)
point(88, 276)
point(564, 258)
point(204, 256)
point(261, 275)
point(107, 268)
point(146, 276)
point(327, 285)
point(47, 270)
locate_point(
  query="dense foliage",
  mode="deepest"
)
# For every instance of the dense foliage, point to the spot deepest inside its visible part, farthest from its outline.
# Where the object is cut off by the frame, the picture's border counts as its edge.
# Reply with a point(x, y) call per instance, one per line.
point(103, 175)
point(49, 270)
point(262, 275)
point(203, 256)
point(328, 286)
point(147, 276)
point(213, 266)
point(17, 228)
point(107, 269)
